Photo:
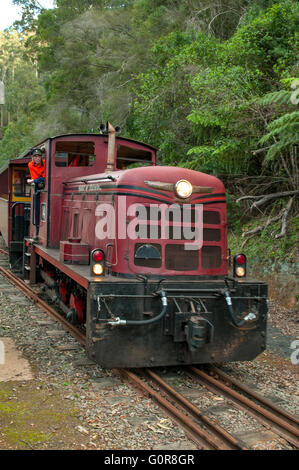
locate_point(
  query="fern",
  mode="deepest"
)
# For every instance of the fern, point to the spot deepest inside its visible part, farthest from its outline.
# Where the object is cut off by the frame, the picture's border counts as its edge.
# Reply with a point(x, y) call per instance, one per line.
point(284, 129)
point(282, 96)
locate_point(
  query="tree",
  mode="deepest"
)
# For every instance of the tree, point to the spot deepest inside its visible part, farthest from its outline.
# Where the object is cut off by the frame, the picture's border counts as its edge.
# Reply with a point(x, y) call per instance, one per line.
point(217, 90)
point(24, 95)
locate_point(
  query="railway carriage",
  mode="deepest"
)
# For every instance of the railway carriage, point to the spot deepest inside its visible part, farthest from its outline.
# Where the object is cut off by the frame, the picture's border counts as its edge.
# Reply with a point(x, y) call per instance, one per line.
point(137, 254)
point(15, 206)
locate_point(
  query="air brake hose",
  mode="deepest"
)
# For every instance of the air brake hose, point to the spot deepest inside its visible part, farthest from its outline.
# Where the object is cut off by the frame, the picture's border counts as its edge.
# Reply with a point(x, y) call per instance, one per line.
point(250, 316)
point(118, 321)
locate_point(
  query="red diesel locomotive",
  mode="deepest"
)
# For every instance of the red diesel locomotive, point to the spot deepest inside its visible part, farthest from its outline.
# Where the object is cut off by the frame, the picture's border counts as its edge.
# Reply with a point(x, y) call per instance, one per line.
point(135, 252)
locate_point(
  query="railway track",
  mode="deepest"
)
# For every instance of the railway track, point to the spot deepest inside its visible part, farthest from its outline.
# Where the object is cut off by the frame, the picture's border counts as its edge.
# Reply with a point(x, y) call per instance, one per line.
point(213, 436)
point(201, 429)
point(268, 414)
point(206, 435)
point(34, 297)
point(4, 257)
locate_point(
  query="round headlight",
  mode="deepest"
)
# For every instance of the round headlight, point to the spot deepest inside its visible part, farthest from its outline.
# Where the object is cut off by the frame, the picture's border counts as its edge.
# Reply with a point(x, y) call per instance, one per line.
point(183, 189)
point(240, 272)
point(97, 269)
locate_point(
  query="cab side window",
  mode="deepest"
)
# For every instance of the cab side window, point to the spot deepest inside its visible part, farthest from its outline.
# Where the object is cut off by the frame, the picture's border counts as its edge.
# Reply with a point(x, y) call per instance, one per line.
point(128, 157)
point(74, 154)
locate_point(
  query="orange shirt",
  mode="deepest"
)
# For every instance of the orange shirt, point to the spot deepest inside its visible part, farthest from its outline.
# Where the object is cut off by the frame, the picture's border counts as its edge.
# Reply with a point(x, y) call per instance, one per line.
point(75, 161)
point(36, 171)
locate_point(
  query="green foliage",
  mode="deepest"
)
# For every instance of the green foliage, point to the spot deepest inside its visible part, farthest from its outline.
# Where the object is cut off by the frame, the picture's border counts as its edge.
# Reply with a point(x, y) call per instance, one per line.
point(24, 93)
point(216, 86)
point(283, 131)
point(263, 249)
point(203, 82)
point(270, 42)
point(24, 96)
point(286, 128)
point(18, 136)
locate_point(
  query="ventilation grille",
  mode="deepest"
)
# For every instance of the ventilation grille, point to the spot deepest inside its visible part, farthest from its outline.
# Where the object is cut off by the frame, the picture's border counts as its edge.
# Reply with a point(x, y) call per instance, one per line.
point(211, 257)
point(179, 259)
point(174, 256)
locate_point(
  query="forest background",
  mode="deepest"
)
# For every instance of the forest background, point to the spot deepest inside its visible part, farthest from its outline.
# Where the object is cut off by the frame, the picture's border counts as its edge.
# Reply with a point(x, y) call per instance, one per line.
point(213, 84)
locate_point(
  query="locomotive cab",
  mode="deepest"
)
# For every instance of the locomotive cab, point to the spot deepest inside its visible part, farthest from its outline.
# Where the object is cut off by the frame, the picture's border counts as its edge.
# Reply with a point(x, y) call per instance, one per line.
point(76, 157)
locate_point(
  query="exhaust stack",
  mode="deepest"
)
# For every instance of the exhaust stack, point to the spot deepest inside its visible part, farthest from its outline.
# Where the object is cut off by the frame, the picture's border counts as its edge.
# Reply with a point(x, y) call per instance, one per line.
point(111, 147)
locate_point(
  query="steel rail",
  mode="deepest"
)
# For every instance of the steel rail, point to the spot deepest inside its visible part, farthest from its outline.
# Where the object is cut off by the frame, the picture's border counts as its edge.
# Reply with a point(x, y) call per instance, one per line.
point(277, 424)
point(255, 395)
point(217, 430)
point(33, 296)
point(202, 438)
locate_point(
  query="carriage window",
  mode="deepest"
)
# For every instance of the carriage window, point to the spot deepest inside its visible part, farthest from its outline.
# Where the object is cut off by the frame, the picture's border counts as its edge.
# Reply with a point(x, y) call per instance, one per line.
point(74, 154)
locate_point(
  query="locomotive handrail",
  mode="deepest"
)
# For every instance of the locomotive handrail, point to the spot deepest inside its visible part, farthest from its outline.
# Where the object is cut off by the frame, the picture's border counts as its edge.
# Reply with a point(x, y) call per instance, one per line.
point(85, 181)
point(215, 291)
point(149, 296)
